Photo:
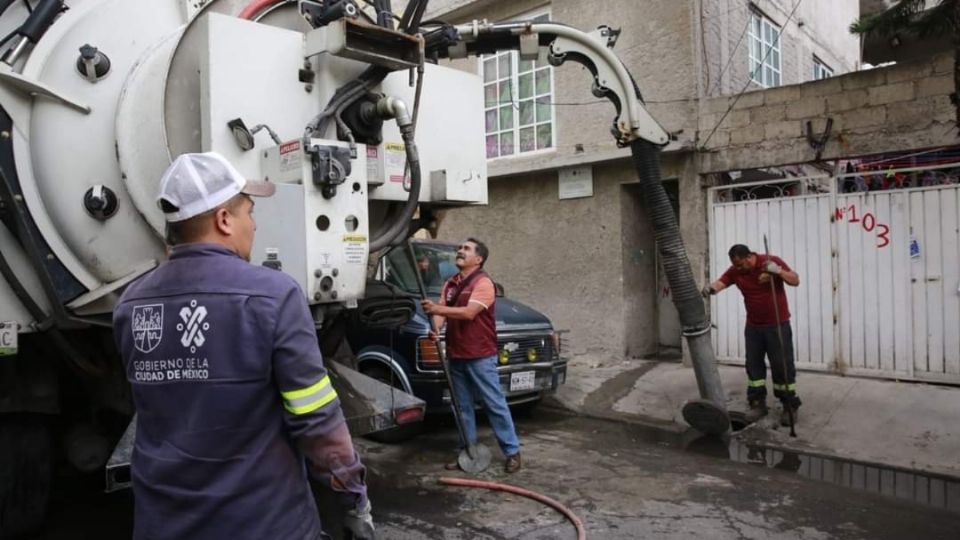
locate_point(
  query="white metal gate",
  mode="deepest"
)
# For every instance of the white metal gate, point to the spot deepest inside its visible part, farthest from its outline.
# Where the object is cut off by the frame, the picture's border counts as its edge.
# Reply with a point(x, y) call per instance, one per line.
point(879, 261)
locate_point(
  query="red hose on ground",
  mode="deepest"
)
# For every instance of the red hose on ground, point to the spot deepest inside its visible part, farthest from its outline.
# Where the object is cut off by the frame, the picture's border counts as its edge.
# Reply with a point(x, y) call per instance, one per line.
point(466, 482)
point(255, 7)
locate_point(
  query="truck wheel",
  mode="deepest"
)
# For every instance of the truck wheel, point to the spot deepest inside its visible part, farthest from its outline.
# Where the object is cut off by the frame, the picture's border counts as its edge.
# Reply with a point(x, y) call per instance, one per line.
point(26, 474)
point(399, 433)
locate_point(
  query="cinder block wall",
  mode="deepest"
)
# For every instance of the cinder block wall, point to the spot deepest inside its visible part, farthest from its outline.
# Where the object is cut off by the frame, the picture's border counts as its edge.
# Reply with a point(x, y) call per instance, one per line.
point(898, 108)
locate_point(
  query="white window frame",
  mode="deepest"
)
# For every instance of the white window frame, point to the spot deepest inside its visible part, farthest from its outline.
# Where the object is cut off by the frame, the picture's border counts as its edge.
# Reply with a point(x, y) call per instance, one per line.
point(764, 51)
point(820, 69)
point(514, 80)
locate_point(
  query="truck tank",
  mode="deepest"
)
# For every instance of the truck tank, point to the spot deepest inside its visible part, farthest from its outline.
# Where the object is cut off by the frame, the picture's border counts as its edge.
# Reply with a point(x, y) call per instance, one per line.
point(96, 99)
point(97, 96)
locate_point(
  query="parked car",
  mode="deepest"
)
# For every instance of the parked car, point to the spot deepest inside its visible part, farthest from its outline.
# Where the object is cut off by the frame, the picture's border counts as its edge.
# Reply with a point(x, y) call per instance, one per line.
point(530, 363)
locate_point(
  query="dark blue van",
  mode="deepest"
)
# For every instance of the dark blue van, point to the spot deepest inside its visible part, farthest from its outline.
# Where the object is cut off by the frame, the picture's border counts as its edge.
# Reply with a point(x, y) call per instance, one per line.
point(530, 361)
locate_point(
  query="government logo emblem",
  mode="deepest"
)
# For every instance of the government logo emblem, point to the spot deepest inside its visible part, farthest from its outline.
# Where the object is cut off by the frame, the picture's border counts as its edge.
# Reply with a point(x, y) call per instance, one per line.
point(147, 327)
point(193, 326)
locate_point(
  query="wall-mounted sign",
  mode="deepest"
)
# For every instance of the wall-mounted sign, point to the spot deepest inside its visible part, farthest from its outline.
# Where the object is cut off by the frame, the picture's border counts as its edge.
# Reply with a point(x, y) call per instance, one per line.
point(576, 182)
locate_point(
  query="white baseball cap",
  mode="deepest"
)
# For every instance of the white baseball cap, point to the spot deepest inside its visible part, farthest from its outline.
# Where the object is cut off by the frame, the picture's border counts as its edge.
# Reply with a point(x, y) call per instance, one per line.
point(197, 183)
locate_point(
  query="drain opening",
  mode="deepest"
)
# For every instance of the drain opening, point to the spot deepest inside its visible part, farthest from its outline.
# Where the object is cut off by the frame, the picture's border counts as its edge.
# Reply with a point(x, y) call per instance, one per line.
point(738, 421)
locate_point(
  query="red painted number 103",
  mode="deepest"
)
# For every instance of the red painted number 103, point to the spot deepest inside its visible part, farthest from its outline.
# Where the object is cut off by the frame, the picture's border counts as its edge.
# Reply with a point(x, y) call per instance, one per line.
point(868, 222)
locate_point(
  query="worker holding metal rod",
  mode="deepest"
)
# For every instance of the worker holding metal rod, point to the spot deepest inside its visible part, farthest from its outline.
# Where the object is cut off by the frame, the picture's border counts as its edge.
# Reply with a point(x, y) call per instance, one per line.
point(768, 332)
point(467, 307)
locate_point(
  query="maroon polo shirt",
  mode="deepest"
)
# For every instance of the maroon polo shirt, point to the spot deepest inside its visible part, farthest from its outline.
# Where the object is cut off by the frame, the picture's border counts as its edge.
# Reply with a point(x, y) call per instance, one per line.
point(756, 295)
point(471, 340)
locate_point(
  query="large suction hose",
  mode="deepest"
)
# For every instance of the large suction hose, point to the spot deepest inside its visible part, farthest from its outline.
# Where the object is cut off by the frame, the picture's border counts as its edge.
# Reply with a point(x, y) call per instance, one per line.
point(708, 415)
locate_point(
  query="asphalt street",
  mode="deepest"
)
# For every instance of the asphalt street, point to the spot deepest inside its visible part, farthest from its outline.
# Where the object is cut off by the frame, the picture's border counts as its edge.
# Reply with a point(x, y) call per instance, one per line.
point(623, 480)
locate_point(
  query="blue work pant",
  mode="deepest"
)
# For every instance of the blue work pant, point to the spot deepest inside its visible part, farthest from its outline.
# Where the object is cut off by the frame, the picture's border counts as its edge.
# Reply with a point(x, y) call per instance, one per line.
point(475, 380)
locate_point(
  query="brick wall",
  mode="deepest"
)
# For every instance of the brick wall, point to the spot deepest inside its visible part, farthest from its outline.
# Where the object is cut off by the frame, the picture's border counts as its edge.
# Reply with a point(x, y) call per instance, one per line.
point(902, 107)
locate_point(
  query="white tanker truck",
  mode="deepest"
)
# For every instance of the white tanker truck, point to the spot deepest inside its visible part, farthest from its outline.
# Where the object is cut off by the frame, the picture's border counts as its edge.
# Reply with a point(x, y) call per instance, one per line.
point(341, 104)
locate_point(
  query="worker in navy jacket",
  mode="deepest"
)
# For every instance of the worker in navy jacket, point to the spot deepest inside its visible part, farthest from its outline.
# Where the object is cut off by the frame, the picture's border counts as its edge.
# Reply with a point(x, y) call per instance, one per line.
point(234, 405)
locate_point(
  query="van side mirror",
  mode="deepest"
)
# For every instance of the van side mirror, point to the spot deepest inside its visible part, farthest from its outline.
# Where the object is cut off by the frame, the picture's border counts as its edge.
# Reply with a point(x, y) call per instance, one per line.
point(498, 288)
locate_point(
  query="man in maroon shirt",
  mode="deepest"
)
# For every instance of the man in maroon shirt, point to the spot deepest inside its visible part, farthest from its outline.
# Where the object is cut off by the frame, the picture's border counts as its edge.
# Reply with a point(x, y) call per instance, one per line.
point(751, 273)
point(467, 305)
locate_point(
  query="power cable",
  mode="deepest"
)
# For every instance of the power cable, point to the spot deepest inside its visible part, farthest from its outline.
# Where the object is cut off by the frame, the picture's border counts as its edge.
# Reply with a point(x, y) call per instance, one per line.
point(750, 80)
point(732, 55)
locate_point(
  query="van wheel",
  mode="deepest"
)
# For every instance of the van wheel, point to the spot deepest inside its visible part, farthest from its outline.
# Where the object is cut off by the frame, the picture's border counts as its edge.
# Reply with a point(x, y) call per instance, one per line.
point(26, 474)
point(397, 434)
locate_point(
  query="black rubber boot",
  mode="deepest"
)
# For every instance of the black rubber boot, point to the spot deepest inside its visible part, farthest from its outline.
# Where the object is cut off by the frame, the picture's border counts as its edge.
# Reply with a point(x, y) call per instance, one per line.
point(757, 409)
point(788, 405)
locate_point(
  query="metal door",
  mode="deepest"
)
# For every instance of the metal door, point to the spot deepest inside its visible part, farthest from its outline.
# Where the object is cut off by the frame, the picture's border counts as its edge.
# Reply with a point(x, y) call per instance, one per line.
point(879, 261)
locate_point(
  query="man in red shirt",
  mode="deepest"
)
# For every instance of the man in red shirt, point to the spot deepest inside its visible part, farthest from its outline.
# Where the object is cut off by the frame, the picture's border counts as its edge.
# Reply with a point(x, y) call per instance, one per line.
point(751, 273)
point(467, 305)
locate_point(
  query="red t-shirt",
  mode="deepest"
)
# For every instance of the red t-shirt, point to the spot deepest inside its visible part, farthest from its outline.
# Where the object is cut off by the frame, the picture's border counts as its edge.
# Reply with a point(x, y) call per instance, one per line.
point(756, 295)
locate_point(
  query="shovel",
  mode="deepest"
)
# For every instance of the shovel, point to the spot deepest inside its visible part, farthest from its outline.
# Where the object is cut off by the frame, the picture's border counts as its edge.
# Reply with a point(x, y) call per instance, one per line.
point(474, 458)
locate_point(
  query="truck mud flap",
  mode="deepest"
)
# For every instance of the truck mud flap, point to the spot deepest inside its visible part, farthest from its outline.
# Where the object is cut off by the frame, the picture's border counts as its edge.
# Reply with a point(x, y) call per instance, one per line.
point(368, 405)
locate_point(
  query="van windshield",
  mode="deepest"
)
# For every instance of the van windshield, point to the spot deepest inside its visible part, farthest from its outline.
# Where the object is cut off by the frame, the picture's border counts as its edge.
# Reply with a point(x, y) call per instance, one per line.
point(435, 262)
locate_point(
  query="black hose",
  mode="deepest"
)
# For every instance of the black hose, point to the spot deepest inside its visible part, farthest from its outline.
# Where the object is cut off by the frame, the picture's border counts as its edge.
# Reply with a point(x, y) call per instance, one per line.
point(402, 224)
point(666, 230)
point(409, 14)
point(40, 19)
point(683, 287)
point(384, 13)
point(8, 274)
point(45, 324)
point(413, 25)
point(344, 97)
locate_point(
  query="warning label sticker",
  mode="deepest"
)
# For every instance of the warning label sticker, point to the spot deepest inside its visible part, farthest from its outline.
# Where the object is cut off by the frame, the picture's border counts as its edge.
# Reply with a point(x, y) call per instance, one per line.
point(395, 156)
point(355, 249)
point(374, 168)
point(290, 156)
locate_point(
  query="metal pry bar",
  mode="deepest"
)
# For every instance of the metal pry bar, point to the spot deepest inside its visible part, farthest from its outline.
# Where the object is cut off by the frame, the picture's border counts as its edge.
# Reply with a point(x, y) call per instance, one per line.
point(592, 50)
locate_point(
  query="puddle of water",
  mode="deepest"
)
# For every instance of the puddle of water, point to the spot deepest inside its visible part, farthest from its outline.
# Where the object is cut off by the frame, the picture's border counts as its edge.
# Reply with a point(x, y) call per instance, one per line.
point(929, 489)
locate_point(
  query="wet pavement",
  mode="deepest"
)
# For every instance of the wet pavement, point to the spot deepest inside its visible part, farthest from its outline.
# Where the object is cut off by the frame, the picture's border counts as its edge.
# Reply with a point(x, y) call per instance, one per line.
point(627, 481)
point(624, 481)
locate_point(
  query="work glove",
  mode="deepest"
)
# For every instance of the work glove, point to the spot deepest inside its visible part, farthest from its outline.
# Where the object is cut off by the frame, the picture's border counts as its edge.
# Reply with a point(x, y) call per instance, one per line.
point(707, 291)
point(358, 524)
point(771, 267)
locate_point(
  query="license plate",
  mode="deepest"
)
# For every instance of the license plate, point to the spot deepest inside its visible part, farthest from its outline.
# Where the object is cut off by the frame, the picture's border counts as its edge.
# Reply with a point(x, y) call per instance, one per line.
point(8, 339)
point(523, 380)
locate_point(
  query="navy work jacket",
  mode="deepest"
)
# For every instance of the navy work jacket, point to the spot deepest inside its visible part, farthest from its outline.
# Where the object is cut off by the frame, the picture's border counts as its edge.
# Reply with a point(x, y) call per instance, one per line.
point(227, 381)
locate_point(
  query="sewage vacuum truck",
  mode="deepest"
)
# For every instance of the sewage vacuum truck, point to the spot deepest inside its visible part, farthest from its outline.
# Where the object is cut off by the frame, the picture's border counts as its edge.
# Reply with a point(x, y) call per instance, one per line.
point(343, 105)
